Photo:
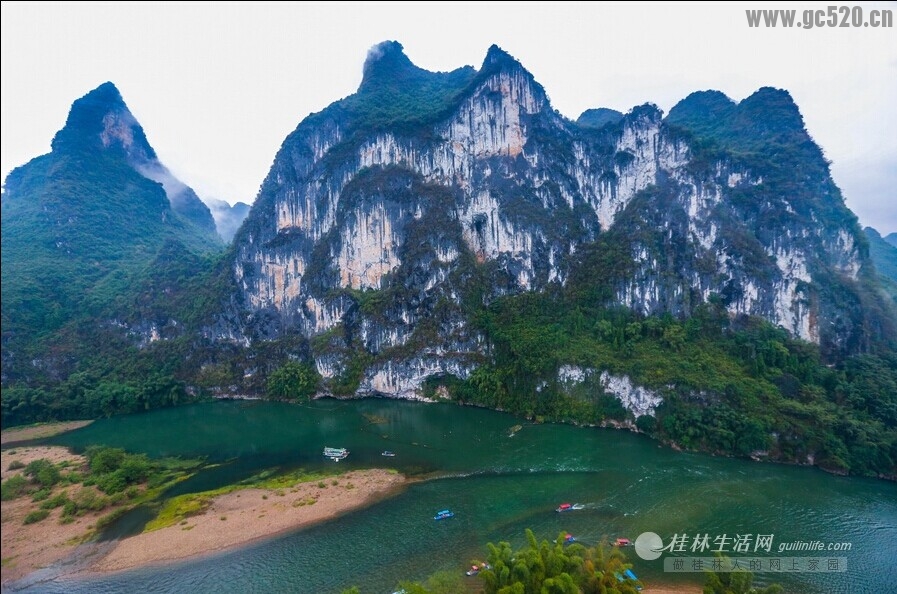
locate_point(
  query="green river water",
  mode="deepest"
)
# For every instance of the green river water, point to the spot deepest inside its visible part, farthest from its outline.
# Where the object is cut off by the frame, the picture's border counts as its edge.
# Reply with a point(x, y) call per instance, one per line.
point(496, 484)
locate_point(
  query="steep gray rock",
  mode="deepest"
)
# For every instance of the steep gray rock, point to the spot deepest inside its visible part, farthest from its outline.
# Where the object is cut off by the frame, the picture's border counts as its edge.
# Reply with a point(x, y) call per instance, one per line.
point(378, 211)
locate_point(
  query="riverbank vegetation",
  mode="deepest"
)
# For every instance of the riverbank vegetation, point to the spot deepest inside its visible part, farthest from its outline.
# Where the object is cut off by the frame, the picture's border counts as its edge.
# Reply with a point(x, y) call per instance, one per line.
point(179, 508)
point(105, 483)
point(731, 386)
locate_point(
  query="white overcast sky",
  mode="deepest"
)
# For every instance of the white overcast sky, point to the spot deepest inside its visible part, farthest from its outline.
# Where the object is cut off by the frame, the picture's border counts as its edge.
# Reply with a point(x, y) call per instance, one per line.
point(218, 86)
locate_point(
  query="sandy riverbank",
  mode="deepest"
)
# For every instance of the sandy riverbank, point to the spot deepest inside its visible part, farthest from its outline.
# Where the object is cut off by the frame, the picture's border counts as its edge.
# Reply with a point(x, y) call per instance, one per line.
point(231, 520)
point(243, 516)
point(17, 434)
point(28, 548)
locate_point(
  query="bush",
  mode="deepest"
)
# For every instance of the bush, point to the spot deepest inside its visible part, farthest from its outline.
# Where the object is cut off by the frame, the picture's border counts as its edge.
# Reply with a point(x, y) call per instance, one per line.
point(13, 487)
point(40, 495)
point(69, 509)
point(16, 465)
point(111, 483)
point(58, 500)
point(43, 472)
point(103, 459)
point(36, 516)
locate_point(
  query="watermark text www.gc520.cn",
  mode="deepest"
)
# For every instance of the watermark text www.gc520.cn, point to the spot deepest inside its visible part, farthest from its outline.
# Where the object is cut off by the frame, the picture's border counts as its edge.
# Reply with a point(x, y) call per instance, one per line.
point(831, 16)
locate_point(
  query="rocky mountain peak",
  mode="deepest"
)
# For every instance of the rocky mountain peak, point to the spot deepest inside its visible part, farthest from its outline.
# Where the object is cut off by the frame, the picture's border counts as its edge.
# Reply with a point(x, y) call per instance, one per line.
point(386, 60)
point(769, 111)
point(100, 120)
point(497, 56)
point(101, 123)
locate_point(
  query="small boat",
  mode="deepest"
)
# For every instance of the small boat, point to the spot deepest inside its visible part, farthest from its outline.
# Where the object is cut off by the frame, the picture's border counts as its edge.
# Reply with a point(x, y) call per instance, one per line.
point(565, 507)
point(569, 538)
point(443, 515)
point(622, 542)
point(476, 569)
point(336, 454)
point(627, 575)
point(388, 454)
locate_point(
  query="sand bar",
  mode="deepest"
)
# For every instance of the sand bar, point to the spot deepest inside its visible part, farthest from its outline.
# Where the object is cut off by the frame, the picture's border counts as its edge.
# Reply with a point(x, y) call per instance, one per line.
point(40, 431)
point(231, 520)
point(247, 515)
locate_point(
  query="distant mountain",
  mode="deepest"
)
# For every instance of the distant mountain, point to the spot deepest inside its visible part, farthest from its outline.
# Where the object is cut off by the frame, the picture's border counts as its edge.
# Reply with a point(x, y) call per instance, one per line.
point(227, 218)
point(81, 221)
point(884, 256)
point(892, 239)
point(883, 253)
point(599, 117)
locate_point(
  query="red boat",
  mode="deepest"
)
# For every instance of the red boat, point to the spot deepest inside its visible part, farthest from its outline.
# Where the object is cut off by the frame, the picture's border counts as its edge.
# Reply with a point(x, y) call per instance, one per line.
point(622, 542)
point(564, 507)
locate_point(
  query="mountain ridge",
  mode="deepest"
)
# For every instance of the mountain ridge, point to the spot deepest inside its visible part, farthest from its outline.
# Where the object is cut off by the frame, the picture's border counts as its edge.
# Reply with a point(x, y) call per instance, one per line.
point(733, 127)
point(696, 277)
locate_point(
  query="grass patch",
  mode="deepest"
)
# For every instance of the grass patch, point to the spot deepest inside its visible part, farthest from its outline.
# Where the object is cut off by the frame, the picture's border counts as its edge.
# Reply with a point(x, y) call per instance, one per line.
point(36, 516)
point(179, 508)
point(303, 501)
point(175, 510)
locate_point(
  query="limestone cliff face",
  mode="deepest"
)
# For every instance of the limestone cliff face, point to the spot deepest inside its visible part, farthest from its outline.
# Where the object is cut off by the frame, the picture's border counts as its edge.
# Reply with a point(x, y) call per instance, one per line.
point(371, 219)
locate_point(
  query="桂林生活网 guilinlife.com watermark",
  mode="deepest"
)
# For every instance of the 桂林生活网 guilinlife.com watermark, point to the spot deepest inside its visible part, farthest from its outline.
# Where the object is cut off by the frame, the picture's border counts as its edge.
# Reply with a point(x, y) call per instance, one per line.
point(740, 552)
point(831, 16)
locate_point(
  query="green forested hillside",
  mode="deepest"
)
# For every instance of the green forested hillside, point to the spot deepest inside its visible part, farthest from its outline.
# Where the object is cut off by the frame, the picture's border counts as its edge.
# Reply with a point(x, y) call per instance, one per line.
point(81, 229)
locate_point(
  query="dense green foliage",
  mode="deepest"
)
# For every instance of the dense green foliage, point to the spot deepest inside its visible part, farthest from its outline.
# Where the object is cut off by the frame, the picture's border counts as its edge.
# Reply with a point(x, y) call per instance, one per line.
point(556, 568)
point(90, 245)
point(293, 381)
point(398, 96)
point(598, 118)
point(112, 478)
point(739, 387)
point(141, 358)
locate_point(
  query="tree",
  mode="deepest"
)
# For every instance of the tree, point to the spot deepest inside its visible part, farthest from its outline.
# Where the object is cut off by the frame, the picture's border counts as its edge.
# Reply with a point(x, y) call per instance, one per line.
point(293, 380)
point(555, 568)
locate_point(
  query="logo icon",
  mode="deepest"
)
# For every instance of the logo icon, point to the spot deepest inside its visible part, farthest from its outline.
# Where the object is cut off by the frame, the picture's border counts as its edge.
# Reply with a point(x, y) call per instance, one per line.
point(648, 546)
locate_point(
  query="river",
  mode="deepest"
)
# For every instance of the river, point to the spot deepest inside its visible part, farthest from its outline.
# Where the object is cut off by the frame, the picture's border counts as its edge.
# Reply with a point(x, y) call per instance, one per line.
point(498, 482)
